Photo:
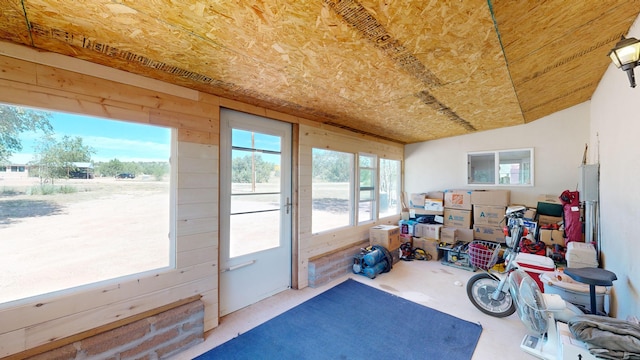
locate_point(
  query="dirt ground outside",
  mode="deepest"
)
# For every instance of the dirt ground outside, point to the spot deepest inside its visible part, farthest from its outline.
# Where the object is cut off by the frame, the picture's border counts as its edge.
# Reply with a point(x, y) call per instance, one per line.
point(108, 228)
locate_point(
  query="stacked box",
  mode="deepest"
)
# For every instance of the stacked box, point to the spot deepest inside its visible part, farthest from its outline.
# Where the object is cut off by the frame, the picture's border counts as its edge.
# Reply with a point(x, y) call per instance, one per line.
point(457, 218)
point(387, 236)
point(407, 227)
point(431, 231)
point(489, 215)
point(491, 197)
point(430, 246)
point(549, 220)
point(489, 233)
point(448, 235)
point(552, 237)
point(457, 199)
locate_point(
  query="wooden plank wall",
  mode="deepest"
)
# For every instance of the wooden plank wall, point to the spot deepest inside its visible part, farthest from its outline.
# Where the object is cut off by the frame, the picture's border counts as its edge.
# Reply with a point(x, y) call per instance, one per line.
point(313, 135)
point(33, 323)
point(50, 81)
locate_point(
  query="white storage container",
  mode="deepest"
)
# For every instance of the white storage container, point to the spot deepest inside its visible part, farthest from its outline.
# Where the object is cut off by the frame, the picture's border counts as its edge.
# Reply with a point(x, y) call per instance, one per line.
point(574, 292)
point(581, 255)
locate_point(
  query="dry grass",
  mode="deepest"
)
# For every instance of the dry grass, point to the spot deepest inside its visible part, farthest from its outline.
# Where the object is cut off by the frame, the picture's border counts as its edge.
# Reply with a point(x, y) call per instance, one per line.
point(107, 228)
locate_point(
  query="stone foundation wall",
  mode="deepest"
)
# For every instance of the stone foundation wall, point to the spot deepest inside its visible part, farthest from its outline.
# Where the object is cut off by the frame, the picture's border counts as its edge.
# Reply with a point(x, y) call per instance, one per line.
point(331, 266)
point(156, 337)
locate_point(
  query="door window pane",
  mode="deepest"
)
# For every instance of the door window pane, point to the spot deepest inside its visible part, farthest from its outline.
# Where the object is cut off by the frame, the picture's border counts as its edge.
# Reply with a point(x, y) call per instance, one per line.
point(255, 192)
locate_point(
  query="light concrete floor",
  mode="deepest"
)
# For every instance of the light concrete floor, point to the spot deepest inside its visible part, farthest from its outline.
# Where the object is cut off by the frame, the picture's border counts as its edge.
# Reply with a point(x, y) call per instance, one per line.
point(429, 283)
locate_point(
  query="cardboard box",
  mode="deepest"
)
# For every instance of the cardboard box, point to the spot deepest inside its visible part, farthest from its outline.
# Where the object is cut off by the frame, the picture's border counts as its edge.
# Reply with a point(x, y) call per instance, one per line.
point(385, 235)
point(448, 235)
point(551, 237)
point(418, 212)
point(549, 220)
point(416, 201)
point(457, 218)
point(407, 227)
point(404, 238)
point(491, 197)
point(430, 246)
point(465, 235)
point(488, 232)
point(431, 231)
point(434, 204)
point(549, 198)
point(435, 195)
point(488, 214)
point(530, 214)
point(457, 199)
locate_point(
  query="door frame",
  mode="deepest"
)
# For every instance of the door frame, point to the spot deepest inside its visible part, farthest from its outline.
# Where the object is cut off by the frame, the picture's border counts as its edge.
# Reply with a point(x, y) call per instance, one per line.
point(294, 175)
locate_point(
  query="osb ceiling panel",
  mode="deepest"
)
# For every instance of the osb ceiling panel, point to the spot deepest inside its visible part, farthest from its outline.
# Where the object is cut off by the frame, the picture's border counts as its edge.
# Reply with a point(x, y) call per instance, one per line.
point(406, 71)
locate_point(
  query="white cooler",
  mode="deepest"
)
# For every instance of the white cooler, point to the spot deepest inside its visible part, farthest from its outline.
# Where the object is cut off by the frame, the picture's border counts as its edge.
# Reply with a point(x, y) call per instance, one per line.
point(581, 255)
point(534, 265)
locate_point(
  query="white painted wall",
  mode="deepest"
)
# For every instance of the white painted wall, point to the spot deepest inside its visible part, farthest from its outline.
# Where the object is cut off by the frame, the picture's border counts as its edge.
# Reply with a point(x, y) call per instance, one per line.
point(610, 124)
point(615, 129)
point(558, 141)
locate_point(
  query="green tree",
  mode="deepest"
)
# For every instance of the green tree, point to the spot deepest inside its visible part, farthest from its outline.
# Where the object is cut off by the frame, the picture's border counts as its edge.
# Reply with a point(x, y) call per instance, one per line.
point(15, 120)
point(111, 168)
point(331, 166)
point(56, 158)
point(242, 169)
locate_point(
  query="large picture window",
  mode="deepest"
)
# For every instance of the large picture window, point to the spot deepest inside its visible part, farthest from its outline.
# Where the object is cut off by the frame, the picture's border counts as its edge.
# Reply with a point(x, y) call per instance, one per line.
point(92, 202)
point(332, 189)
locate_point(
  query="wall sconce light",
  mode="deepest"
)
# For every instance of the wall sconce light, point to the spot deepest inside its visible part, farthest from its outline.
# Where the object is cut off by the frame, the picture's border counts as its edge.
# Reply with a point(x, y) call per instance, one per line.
point(625, 56)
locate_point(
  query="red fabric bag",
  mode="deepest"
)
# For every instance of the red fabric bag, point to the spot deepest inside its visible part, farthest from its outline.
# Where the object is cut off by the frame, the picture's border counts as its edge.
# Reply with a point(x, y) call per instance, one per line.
point(571, 216)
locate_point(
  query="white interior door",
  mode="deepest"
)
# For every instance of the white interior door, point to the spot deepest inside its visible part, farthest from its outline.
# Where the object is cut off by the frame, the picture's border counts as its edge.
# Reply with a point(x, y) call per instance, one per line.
point(255, 209)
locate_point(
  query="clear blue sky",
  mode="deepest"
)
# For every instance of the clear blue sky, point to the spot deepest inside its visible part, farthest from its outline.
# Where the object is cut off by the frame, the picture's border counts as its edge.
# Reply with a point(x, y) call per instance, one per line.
point(110, 139)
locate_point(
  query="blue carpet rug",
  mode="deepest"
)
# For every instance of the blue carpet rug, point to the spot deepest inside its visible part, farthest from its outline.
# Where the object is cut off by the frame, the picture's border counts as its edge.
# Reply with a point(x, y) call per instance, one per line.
point(355, 321)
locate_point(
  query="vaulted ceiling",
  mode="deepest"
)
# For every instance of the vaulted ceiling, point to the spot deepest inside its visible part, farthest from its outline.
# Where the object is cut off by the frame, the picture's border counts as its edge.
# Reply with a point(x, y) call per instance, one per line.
point(403, 70)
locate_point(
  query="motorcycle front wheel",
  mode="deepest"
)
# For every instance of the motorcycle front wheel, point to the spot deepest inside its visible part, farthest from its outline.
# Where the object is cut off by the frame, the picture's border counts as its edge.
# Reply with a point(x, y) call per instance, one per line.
point(480, 289)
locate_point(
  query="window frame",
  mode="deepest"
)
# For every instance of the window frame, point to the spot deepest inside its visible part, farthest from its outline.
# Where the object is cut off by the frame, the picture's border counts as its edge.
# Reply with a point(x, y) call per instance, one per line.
point(172, 237)
point(352, 195)
point(398, 190)
point(495, 157)
point(374, 189)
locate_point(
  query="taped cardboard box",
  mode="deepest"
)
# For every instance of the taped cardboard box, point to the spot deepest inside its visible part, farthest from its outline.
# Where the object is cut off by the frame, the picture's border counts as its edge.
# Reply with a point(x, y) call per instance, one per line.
point(430, 246)
point(433, 204)
point(491, 197)
point(385, 235)
point(448, 235)
point(418, 212)
point(416, 201)
point(438, 195)
point(488, 214)
point(549, 220)
point(465, 235)
point(488, 233)
point(457, 199)
point(551, 237)
point(457, 218)
point(530, 214)
point(431, 231)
